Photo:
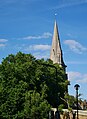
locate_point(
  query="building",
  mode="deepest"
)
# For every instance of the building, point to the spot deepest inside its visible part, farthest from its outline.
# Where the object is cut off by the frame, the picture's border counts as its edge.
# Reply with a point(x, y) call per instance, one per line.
point(83, 105)
point(56, 52)
point(56, 56)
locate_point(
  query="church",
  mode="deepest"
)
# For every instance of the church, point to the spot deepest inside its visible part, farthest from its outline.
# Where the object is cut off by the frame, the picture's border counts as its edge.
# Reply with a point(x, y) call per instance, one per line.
point(56, 54)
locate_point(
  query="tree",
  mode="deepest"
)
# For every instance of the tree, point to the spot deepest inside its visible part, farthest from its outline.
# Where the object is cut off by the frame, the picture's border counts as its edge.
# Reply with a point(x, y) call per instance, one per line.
point(22, 79)
point(35, 107)
point(70, 101)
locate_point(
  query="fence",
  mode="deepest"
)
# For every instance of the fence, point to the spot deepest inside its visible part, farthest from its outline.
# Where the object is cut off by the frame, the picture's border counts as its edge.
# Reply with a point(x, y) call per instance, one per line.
point(81, 113)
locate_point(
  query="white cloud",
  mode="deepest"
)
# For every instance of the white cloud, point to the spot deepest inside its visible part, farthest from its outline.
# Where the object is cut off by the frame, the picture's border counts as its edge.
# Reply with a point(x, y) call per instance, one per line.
point(67, 3)
point(2, 45)
point(38, 47)
point(73, 75)
point(77, 76)
point(40, 55)
point(3, 40)
point(75, 46)
point(43, 36)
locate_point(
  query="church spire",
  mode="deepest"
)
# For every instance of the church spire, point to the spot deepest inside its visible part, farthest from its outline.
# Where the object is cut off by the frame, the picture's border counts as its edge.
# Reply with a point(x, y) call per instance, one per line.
point(56, 51)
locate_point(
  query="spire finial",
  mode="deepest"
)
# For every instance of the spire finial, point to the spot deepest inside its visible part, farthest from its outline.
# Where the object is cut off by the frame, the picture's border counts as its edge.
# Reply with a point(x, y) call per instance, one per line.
point(55, 15)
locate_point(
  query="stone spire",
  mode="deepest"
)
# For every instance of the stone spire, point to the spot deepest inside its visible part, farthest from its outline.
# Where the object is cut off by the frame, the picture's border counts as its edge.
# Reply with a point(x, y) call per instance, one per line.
point(56, 51)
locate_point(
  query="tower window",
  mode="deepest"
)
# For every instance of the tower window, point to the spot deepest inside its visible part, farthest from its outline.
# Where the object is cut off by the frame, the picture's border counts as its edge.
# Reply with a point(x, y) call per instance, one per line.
point(53, 51)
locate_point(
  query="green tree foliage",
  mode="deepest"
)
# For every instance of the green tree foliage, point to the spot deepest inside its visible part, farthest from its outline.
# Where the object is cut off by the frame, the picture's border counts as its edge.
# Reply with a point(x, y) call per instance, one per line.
point(28, 88)
point(35, 107)
point(71, 101)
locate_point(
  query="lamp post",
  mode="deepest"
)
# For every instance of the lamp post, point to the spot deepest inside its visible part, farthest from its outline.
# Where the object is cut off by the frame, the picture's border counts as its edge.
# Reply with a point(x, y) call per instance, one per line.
point(77, 87)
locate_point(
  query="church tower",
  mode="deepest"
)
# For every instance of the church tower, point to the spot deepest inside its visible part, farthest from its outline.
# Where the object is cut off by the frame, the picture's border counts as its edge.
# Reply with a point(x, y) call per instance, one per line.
point(56, 52)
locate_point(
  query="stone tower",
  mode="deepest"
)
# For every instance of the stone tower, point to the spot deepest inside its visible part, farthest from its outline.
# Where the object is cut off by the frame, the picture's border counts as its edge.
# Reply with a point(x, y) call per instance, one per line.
point(56, 52)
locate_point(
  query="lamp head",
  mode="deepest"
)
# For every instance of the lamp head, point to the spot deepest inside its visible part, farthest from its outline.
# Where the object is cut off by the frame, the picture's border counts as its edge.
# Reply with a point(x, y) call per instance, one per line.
point(76, 86)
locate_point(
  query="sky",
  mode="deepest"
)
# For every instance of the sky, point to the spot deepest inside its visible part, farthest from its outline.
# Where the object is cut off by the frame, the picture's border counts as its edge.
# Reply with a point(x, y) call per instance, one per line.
point(27, 26)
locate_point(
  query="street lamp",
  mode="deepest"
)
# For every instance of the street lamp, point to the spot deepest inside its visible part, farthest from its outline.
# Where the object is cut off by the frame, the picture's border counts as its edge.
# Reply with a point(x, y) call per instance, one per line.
point(77, 87)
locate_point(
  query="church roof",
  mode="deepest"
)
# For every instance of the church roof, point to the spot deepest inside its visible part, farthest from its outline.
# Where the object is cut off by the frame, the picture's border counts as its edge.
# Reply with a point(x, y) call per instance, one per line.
point(56, 51)
point(56, 38)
